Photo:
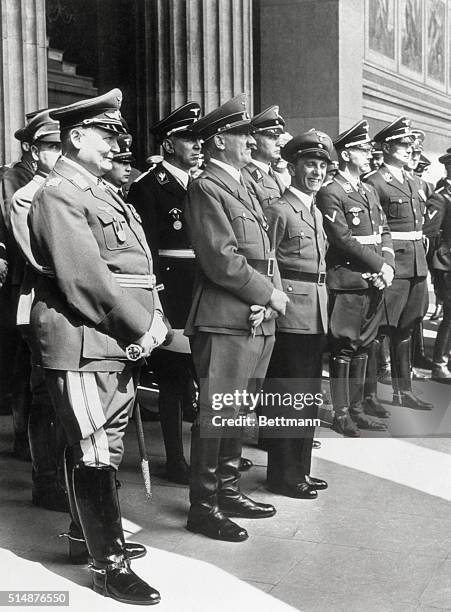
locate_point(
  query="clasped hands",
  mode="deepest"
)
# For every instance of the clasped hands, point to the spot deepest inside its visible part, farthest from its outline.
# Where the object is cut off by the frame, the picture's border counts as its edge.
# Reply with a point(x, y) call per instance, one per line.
point(381, 280)
point(276, 305)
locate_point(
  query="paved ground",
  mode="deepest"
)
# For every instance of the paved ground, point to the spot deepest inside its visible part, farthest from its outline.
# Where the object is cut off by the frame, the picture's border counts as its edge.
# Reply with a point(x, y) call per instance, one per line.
point(379, 539)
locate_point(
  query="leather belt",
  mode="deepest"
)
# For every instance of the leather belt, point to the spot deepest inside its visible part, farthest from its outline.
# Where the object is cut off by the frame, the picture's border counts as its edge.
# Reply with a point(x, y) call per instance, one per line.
point(177, 253)
point(371, 239)
point(414, 235)
point(264, 266)
point(142, 281)
point(309, 277)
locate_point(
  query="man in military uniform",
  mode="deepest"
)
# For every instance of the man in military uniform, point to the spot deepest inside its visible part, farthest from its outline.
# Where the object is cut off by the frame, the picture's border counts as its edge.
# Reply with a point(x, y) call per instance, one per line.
point(158, 196)
point(259, 177)
point(297, 235)
point(230, 330)
point(360, 264)
point(438, 225)
point(45, 434)
point(119, 175)
point(95, 313)
point(403, 202)
point(14, 357)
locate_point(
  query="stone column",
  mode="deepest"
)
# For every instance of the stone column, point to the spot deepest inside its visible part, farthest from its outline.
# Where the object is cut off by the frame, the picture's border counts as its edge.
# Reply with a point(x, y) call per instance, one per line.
point(311, 56)
point(23, 68)
point(193, 50)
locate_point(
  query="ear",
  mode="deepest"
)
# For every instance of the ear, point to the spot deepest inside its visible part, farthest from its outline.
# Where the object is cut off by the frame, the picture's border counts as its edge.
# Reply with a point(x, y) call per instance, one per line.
point(344, 155)
point(75, 136)
point(219, 141)
point(386, 147)
point(34, 152)
point(25, 146)
point(167, 145)
point(291, 168)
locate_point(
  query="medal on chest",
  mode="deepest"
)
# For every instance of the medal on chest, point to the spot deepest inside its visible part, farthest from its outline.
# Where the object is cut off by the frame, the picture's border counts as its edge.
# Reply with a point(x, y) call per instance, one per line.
point(175, 215)
point(355, 210)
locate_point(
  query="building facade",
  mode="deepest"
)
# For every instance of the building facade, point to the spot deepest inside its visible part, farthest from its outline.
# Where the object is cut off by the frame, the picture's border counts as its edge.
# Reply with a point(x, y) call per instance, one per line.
point(326, 63)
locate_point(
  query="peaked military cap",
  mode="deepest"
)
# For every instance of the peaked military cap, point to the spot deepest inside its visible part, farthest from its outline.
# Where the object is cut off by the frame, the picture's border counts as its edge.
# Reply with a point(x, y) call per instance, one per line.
point(177, 122)
point(419, 136)
point(446, 158)
point(101, 111)
point(268, 120)
point(399, 128)
point(312, 143)
point(354, 136)
point(423, 163)
point(124, 142)
point(39, 127)
point(230, 115)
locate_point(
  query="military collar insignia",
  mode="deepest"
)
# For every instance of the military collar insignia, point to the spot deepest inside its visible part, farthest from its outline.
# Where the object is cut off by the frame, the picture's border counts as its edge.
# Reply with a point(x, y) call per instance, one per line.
point(162, 177)
point(347, 187)
point(387, 177)
point(53, 182)
point(257, 175)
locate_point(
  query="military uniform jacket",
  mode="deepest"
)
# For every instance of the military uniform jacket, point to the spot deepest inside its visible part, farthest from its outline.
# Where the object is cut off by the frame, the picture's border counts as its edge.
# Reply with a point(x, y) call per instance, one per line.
point(404, 205)
point(438, 219)
point(160, 201)
point(348, 215)
point(13, 178)
point(82, 318)
point(226, 230)
point(264, 187)
point(300, 245)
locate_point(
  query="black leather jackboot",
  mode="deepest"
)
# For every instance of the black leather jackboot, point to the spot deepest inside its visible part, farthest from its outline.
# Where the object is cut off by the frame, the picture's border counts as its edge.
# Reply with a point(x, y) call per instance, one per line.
point(97, 502)
point(339, 391)
point(78, 551)
point(357, 373)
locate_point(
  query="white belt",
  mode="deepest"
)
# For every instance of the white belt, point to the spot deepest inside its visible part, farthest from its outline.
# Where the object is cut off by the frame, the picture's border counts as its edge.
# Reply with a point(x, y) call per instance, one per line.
point(371, 239)
point(414, 235)
point(142, 281)
point(180, 253)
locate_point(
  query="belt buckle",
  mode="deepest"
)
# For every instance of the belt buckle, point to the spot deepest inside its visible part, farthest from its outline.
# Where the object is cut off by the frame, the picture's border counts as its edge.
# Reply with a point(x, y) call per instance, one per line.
point(270, 269)
point(321, 278)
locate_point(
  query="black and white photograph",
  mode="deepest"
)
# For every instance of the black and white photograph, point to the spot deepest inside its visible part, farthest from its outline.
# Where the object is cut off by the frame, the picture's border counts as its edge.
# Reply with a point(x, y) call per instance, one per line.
point(225, 305)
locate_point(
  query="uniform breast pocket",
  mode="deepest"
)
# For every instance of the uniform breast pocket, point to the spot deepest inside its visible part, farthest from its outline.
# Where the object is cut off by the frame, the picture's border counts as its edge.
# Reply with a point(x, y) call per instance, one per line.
point(116, 232)
point(298, 238)
point(398, 208)
point(244, 227)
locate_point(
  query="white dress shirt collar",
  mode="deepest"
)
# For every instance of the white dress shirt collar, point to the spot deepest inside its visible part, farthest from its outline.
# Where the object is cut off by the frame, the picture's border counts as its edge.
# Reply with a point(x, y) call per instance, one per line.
point(180, 175)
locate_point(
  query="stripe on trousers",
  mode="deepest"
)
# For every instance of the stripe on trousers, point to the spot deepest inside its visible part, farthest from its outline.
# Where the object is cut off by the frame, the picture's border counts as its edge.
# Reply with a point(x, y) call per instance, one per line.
point(85, 402)
point(95, 450)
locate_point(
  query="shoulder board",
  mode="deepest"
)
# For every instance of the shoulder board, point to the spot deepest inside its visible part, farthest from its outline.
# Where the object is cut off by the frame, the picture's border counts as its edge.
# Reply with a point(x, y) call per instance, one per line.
point(344, 184)
point(439, 190)
point(141, 176)
point(52, 182)
point(370, 173)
